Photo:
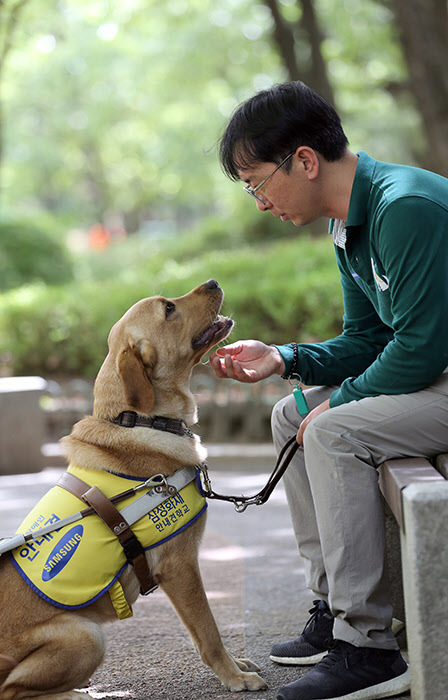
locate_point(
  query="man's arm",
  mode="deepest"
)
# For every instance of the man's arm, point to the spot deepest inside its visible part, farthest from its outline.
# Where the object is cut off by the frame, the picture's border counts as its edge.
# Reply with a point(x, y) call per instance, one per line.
point(363, 338)
point(415, 258)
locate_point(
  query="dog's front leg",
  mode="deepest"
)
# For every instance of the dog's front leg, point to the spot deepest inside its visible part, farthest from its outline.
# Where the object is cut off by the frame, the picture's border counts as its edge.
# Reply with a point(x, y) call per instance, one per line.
point(186, 592)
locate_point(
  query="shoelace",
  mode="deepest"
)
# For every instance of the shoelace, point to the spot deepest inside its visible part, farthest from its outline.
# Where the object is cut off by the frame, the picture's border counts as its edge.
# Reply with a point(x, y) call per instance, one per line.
point(342, 650)
point(316, 612)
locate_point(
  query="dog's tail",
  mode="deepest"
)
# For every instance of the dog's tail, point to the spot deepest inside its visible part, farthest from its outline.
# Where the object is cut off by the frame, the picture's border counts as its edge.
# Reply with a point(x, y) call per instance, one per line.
point(7, 663)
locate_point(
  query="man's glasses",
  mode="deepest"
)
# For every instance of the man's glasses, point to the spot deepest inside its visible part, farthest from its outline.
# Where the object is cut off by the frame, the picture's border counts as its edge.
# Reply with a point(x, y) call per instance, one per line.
point(253, 190)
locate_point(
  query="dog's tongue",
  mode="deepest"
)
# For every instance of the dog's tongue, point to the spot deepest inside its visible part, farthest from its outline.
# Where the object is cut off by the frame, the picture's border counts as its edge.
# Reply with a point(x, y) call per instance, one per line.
point(219, 329)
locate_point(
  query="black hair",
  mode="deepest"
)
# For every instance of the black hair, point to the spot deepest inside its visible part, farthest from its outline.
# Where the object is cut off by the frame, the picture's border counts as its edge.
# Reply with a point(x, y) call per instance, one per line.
point(275, 122)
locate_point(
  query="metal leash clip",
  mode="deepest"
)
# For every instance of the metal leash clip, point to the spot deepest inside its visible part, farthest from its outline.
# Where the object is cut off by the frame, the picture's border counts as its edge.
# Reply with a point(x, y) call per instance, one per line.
point(159, 484)
point(205, 479)
point(240, 506)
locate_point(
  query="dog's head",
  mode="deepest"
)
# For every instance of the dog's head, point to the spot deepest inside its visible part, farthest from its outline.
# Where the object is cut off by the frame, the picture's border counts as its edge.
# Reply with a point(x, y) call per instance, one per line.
point(152, 350)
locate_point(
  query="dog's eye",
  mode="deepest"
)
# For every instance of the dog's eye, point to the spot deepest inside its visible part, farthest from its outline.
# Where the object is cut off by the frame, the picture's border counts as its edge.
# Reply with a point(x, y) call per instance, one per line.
point(169, 308)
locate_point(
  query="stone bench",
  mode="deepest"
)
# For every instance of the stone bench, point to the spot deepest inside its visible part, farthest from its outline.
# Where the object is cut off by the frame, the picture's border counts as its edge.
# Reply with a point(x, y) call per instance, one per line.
point(416, 492)
point(22, 425)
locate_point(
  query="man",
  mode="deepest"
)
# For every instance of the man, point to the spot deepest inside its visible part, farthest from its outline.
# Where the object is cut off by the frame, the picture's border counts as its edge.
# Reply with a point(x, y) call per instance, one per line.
point(380, 388)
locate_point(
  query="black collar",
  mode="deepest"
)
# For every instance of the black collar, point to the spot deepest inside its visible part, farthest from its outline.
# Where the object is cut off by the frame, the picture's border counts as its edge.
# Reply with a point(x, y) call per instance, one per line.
point(130, 419)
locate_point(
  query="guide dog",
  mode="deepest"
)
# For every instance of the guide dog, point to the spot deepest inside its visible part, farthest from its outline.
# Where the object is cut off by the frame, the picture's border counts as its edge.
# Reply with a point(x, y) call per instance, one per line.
point(47, 650)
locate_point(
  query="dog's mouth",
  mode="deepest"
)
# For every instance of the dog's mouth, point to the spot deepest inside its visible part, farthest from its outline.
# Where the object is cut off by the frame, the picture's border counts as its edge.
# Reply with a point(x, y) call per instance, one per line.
point(219, 330)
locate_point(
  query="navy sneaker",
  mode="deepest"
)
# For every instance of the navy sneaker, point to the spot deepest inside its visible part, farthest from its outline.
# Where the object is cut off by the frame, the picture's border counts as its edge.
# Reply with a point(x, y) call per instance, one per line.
point(314, 642)
point(351, 673)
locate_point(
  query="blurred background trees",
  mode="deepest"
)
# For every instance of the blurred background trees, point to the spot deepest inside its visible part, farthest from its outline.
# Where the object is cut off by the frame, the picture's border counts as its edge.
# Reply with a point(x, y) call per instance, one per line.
point(109, 118)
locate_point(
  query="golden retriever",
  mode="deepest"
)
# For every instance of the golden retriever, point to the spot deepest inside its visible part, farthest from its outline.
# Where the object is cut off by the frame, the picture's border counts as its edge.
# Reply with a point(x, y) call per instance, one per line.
point(46, 651)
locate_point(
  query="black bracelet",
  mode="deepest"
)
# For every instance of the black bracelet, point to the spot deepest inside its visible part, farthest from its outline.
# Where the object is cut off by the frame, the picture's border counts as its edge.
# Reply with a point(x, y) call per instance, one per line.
point(295, 361)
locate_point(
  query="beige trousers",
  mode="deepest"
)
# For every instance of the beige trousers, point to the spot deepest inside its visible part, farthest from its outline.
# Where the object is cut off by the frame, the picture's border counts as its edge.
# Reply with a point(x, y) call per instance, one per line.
point(334, 498)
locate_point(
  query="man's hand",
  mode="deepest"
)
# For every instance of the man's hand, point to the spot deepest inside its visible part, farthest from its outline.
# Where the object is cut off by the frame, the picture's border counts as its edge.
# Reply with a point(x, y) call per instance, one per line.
point(324, 406)
point(247, 361)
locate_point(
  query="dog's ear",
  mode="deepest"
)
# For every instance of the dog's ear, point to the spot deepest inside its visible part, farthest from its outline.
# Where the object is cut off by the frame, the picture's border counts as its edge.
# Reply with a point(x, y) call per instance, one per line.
point(134, 365)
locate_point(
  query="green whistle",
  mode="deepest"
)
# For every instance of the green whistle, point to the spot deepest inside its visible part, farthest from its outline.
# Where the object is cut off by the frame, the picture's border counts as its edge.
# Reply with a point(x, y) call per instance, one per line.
point(300, 401)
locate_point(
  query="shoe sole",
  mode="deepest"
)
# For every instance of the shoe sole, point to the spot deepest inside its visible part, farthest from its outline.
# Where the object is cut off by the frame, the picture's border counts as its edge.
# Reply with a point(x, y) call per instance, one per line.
point(299, 660)
point(395, 686)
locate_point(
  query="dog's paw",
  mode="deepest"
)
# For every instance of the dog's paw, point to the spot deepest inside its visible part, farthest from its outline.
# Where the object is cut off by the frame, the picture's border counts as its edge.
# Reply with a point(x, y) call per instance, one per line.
point(247, 665)
point(247, 681)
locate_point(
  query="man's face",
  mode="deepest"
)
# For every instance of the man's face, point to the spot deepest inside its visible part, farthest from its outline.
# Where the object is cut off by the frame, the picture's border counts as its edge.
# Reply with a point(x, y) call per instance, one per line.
point(293, 196)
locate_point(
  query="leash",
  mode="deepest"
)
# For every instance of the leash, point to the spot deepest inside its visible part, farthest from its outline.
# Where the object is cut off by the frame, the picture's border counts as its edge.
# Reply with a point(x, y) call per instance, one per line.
point(131, 419)
point(160, 485)
point(242, 502)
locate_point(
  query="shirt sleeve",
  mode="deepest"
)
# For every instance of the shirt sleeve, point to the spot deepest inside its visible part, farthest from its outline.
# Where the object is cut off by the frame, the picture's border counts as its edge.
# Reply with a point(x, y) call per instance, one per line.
point(412, 242)
point(364, 336)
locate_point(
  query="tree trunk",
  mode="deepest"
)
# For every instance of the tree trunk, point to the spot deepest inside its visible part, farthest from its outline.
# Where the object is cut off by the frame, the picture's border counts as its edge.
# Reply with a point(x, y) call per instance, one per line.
point(317, 73)
point(284, 38)
point(423, 32)
point(308, 30)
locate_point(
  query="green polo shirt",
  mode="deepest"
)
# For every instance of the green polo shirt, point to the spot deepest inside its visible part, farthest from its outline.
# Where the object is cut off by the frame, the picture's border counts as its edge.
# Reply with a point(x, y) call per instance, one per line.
point(394, 275)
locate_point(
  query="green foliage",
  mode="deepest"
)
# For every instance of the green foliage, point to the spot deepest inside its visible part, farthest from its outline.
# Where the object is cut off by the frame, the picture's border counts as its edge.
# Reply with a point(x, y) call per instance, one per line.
point(115, 108)
point(276, 292)
point(127, 100)
point(28, 253)
point(112, 112)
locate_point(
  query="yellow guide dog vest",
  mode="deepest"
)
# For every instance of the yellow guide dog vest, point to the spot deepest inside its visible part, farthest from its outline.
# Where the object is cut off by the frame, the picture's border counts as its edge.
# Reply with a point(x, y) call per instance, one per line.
point(75, 565)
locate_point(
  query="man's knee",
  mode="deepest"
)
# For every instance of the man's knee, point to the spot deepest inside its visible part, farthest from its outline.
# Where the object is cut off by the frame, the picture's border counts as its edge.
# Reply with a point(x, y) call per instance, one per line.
point(331, 435)
point(278, 417)
point(322, 429)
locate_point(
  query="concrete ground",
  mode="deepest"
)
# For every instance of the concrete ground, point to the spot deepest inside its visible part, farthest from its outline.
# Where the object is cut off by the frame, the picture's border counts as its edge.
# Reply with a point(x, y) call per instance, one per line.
point(252, 574)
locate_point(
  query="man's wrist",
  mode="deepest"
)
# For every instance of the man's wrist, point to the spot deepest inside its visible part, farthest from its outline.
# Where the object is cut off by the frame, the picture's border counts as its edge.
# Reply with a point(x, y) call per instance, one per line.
point(280, 363)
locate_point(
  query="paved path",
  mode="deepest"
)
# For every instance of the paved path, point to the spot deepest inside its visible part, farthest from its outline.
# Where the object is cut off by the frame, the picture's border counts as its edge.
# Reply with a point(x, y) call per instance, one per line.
point(252, 574)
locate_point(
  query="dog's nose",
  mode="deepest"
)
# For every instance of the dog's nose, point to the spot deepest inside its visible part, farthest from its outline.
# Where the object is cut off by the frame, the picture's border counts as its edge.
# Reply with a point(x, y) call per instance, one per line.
point(211, 284)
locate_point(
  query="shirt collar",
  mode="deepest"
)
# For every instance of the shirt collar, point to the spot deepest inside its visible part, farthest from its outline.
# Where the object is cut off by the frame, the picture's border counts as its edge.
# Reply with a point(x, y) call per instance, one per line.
point(357, 211)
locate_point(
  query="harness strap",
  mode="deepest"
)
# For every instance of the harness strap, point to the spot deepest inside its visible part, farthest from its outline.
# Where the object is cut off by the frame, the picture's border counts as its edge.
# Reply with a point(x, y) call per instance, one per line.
point(160, 488)
point(73, 484)
point(77, 487)
point(105, 509)
point(151, 499)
